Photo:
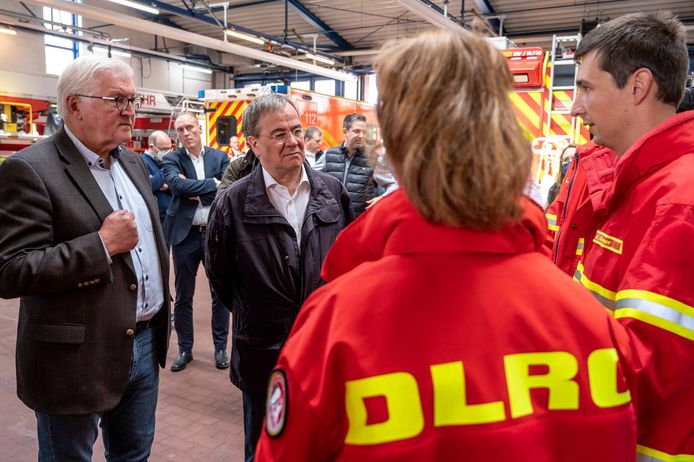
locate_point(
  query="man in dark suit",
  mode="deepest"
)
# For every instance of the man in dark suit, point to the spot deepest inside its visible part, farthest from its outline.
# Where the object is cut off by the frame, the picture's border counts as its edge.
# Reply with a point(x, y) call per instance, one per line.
point(82, 246)
point(159, 146)
point(193, 173)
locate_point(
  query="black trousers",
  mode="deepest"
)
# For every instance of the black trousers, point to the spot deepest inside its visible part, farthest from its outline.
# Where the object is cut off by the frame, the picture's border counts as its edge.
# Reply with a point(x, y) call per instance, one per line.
point(187, 256)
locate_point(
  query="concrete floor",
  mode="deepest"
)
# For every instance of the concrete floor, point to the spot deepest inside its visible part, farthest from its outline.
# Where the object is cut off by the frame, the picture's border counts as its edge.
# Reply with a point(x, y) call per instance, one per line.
point(199, 415)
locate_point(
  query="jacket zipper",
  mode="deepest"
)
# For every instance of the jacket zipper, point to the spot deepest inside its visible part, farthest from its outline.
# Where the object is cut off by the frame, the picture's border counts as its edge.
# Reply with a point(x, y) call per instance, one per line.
point(344, 176)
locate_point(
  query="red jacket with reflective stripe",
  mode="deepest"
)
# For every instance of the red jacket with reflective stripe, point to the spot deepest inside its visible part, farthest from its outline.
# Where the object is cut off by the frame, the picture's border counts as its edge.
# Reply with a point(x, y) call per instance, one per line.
point(581, 193)
point(640, 263)
point(425, 331)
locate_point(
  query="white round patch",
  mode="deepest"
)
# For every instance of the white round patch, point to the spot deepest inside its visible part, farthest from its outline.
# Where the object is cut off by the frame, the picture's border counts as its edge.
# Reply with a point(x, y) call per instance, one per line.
point(277, 404)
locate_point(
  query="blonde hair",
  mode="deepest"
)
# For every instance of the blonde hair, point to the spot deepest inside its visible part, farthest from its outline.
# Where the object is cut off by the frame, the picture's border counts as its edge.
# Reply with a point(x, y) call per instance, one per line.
point(450, 130)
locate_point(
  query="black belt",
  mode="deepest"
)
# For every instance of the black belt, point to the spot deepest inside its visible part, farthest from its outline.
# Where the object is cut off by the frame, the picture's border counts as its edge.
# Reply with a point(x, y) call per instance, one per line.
point(199, 228)
point(142, 325)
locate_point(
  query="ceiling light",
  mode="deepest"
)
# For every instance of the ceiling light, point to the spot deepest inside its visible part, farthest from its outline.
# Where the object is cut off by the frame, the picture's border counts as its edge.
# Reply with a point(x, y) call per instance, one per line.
point(249, 38)
point(137, 6)
point(195, 68)
point(320, 58)
point(8, 31)
point(123, 54)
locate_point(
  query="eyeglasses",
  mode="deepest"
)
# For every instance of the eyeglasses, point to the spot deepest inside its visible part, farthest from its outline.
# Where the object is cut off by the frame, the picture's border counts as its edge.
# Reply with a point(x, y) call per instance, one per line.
point(283, 137)
point(121, 102)
point(164, 150)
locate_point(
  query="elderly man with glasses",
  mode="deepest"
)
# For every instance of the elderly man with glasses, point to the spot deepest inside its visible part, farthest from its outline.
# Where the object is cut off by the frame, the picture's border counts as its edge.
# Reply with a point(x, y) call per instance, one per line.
point(267, 237)
point(82, 246)
point(159, 146)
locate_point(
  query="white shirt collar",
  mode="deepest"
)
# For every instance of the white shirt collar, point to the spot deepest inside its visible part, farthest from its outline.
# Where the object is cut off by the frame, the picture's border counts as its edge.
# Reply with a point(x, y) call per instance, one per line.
point(193, 157)
point(92, 158)
point(270, 181)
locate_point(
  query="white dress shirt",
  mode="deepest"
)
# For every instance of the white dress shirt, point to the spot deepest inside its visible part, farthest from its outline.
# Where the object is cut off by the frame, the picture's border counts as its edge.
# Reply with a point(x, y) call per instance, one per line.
point(291, 207)
point(311, 158)
point(202, 212)
point(122, 194)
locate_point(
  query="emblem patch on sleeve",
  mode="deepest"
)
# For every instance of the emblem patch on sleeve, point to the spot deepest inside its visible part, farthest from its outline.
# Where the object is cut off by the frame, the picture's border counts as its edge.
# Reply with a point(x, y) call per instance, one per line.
point(277, 404)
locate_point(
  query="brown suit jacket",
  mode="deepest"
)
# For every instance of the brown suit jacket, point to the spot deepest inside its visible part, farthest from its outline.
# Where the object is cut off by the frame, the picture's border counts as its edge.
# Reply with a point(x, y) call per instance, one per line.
point(77, 313)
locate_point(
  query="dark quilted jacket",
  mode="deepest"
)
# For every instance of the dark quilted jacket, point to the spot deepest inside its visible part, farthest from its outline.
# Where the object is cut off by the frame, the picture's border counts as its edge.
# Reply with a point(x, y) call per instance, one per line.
point(355, 172)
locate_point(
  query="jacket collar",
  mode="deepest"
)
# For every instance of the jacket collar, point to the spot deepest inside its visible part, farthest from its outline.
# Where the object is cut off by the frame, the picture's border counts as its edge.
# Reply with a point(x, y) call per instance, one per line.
point(394, 227)
point(597, 164)
point(77, 168)
point(659, 146)
point(321, 201)
point(153, 157)
point(345, 152)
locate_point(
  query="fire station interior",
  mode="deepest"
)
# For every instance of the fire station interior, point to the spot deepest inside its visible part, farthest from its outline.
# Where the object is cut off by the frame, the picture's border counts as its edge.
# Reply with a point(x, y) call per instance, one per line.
point(209, 57)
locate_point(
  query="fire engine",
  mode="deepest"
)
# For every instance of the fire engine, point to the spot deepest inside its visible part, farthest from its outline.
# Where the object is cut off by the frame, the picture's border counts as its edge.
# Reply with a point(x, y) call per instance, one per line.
point(544, 85)
point(20, 123)
point(224, 111)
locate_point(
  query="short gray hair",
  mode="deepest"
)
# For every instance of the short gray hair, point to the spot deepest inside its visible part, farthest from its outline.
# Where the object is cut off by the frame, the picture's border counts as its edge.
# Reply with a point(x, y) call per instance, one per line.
point(274, 102)
point(190, 115)
point(156, 136)
point(78, 77)
point(310, 132)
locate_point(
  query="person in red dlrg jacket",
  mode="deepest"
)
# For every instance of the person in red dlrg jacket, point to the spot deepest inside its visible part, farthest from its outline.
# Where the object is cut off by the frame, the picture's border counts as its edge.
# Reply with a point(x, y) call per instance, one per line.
point(443, 332)
point(639, 261)
point(580, 197)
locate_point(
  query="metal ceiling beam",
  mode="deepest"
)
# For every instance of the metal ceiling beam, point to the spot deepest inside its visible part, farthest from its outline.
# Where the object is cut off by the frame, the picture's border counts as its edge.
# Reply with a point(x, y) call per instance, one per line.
point(161, 19)
point(425, 11)
point(236, 6)
point(318, 23)
point(202, 17)
point(133, 23)
point(487, 9)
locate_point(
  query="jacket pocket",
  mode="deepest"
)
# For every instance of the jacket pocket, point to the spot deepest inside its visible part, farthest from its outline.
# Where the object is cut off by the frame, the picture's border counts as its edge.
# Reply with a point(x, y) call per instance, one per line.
point(56, 333)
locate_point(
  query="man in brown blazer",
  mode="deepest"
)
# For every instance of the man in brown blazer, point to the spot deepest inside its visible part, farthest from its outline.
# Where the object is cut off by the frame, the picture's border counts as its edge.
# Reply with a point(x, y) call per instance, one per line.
point(81, 244)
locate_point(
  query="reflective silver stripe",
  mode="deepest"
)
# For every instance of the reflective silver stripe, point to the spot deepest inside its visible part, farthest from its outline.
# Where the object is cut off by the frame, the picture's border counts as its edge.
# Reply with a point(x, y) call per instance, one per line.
point(658, 310)
point(606, 302)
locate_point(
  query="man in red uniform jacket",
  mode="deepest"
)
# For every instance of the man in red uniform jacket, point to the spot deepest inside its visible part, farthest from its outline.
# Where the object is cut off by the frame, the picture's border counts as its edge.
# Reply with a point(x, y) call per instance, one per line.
point(640, 261)
point(442, 332)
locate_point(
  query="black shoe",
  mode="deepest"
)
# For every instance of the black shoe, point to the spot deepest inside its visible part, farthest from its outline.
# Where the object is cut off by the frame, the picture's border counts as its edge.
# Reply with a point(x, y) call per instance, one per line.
point(180, 362)
point(221, 360)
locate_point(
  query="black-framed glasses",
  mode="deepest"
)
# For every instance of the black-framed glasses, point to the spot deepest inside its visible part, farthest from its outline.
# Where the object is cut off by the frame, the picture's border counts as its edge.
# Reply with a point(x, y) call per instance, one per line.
point(283, 137)
point(121, 102)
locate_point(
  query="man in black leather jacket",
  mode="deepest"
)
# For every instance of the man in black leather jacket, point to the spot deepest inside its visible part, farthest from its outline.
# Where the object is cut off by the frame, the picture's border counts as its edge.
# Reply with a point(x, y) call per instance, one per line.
point(267, 236)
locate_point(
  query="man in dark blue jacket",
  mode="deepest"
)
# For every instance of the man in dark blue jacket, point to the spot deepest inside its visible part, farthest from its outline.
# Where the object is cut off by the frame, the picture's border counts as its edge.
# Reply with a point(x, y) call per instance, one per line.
point(193, 173)
point(268, 235)
point(159, 146)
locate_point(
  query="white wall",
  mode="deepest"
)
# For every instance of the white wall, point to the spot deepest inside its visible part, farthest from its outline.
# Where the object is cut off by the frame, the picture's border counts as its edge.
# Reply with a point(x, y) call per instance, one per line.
point(23, 71)
point(24, 65)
